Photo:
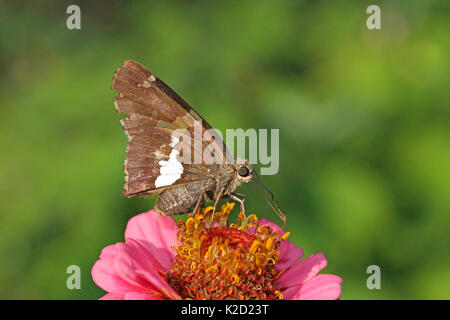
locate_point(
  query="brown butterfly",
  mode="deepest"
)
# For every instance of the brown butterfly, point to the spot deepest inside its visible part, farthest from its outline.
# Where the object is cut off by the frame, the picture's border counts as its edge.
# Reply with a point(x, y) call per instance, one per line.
point(157, 159)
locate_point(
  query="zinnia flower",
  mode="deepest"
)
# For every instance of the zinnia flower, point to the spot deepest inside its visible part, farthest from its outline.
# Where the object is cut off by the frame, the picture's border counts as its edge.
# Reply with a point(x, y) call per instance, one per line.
point(205, 258)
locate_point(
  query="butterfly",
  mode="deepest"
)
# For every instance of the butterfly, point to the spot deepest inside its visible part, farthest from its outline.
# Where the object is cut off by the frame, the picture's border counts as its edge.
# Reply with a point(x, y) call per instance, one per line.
point(159, 127)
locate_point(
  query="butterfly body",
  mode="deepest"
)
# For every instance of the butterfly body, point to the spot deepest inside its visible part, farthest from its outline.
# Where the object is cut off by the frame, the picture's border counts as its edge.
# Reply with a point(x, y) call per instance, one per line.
point(158, 156)
point(218, 186)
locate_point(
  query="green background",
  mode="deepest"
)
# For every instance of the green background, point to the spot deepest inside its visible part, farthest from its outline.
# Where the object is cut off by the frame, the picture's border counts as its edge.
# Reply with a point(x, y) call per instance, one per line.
point(363, 118)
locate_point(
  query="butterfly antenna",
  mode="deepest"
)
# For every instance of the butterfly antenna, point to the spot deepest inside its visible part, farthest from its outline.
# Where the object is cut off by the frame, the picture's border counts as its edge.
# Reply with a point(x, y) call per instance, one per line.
point(270, 199)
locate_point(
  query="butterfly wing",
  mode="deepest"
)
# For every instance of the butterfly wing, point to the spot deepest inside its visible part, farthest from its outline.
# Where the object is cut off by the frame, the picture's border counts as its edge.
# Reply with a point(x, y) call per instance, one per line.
point(155, 148)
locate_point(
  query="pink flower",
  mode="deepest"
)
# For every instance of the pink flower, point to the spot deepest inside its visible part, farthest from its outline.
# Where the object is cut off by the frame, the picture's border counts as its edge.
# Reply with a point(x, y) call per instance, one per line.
point(300, 280)
point(139, 268)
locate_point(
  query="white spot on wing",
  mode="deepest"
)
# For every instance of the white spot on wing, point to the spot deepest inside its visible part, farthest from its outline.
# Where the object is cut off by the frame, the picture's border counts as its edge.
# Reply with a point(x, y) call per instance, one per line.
point(174, 141)
point(171, 170)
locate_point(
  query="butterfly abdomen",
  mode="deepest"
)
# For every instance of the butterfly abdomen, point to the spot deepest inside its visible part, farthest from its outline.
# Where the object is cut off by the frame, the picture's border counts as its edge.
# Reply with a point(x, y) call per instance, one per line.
point(183, 198)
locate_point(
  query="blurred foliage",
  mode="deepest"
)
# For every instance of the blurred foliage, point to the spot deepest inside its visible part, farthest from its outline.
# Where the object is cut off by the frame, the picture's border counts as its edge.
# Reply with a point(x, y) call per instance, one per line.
point(363, 118)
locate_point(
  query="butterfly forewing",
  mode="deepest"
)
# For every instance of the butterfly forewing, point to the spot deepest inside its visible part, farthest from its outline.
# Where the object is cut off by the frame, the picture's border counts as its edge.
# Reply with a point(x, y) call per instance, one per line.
point(153, 162)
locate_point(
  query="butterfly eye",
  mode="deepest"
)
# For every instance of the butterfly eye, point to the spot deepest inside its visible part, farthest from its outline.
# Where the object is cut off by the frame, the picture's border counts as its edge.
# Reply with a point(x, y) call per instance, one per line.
point(243, 171)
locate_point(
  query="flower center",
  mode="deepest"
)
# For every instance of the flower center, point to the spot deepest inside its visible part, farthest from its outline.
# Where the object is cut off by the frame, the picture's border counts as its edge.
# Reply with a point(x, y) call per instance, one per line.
point(225, 262)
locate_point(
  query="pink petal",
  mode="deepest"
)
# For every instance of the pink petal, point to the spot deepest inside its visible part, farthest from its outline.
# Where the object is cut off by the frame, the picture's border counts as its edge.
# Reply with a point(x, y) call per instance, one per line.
point(115, 272)
point(139, 265)
point(108, 252)
point(141, 296)
point(289, 254)
point(144, 280)
point(160, 231)
point(321, 287)
point(126, 270)
point(105, 276)
point(303, 271)
point(112, 296)
point(160, 259)
point(145, 256)
point(158, 285)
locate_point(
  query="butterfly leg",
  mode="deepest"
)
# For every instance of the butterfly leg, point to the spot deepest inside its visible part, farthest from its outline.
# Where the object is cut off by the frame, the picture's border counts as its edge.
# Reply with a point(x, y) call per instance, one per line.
point(241, 199)
point(216, 202)
point(200, 201)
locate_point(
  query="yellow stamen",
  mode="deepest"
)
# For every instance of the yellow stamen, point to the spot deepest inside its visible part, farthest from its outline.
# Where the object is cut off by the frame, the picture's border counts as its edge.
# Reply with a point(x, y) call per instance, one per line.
point(279, 294)
point(285, 236)
point(255, 246)
point(236, 278)
point(269, 243)
point(218, 260)
point(211, 268)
